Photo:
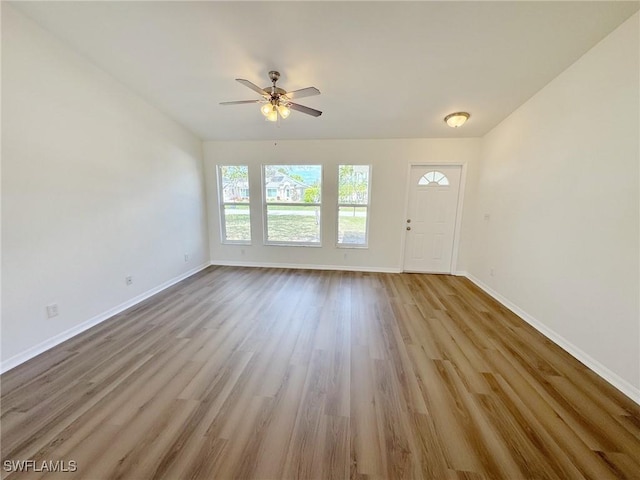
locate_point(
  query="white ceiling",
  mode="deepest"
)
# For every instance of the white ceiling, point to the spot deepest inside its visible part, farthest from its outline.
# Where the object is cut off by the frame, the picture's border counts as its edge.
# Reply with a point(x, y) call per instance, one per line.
point(385, 69)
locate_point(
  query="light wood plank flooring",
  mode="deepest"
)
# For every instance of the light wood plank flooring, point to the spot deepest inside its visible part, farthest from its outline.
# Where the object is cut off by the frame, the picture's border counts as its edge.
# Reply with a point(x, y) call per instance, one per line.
point(275, 373)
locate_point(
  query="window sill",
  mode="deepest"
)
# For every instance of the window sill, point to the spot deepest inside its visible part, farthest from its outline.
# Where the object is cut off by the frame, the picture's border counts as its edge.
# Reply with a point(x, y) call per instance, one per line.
point(292, 244)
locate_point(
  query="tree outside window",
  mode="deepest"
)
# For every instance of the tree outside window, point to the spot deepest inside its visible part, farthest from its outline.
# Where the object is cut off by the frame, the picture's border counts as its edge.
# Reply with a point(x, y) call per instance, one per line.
point(353, 205)
point(235, 217)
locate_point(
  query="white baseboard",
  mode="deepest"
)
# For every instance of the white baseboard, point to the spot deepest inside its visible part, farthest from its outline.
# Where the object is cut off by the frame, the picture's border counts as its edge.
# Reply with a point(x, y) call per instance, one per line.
point(73, 331)
point(351, 268)
point(614, 379)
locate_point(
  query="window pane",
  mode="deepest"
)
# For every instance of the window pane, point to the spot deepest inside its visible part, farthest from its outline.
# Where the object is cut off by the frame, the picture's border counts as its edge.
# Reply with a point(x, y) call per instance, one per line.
point(293, 183)
point(353, 184)
point(430, 178)
point(352, 225)
point(235, 183)
point(237, 222)
point(234, 205)
point(293, 223)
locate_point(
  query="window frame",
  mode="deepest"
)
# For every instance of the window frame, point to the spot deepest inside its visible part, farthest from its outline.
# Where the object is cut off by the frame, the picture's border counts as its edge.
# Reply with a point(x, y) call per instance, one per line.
point(222, 204)
point(364, 245)
point(266, 204)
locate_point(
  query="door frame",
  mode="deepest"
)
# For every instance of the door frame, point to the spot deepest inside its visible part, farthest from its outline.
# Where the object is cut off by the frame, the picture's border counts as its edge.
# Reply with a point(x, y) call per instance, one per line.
point(458, 221)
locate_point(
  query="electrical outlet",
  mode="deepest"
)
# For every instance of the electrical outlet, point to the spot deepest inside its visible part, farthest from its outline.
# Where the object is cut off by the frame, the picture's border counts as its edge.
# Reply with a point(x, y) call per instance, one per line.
point(186, 257)
point(52, 310)
point(128, 280)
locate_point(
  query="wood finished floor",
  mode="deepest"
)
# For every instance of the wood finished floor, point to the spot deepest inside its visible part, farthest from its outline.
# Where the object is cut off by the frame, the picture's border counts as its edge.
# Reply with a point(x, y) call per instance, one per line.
point(275, 373)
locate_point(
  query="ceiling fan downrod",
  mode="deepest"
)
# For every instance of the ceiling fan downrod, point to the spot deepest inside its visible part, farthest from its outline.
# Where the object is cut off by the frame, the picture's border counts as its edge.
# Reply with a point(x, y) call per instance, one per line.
point(274, 76)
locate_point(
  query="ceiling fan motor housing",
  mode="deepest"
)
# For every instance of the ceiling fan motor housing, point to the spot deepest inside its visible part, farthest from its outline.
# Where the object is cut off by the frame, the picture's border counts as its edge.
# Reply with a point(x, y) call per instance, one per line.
point(276, 91)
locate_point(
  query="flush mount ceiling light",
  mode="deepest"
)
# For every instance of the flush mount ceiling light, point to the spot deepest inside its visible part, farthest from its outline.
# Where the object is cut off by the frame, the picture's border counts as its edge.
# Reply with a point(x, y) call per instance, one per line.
point(457, 119)
point(276, 101)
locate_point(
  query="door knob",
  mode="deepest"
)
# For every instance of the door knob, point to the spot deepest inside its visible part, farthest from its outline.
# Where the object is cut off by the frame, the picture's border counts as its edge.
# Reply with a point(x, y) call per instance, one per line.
point(408, 228)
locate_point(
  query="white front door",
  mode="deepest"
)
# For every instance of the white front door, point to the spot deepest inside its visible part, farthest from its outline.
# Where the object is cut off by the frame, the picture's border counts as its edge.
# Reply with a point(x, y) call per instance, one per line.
point(431, 218)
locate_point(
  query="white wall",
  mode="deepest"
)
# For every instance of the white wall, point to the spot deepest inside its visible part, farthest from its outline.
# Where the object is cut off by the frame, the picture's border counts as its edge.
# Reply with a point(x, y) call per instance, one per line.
point(96, 185)
point(559, 179)
point(390, 161)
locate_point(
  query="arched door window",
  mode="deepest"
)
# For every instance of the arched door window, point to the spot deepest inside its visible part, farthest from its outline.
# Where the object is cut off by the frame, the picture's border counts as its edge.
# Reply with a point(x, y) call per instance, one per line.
point(434, 178)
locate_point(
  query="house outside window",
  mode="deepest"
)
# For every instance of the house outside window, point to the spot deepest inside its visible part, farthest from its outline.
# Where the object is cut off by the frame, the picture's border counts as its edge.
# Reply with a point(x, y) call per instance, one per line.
point(292, 204)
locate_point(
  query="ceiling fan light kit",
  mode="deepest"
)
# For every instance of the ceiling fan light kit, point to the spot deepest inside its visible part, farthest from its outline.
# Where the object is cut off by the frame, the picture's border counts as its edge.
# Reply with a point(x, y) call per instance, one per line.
point(457, 119)
point(276, 101)
point(284, 111)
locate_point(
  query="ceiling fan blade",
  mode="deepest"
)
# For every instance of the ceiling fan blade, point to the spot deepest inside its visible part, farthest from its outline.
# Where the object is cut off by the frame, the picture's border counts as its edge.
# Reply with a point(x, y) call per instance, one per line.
point(301, 108)
point(253, 86)
point(303, 92)
point(238, 102)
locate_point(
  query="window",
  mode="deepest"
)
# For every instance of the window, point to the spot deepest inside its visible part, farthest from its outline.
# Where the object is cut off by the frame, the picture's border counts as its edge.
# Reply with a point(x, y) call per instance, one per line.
point(292, 198)
point(353, 205)
point(235, 218)
point(434, 178)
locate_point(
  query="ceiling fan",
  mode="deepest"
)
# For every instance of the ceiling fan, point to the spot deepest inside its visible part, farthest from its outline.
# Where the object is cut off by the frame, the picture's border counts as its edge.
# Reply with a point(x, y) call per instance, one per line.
point(276, 101)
